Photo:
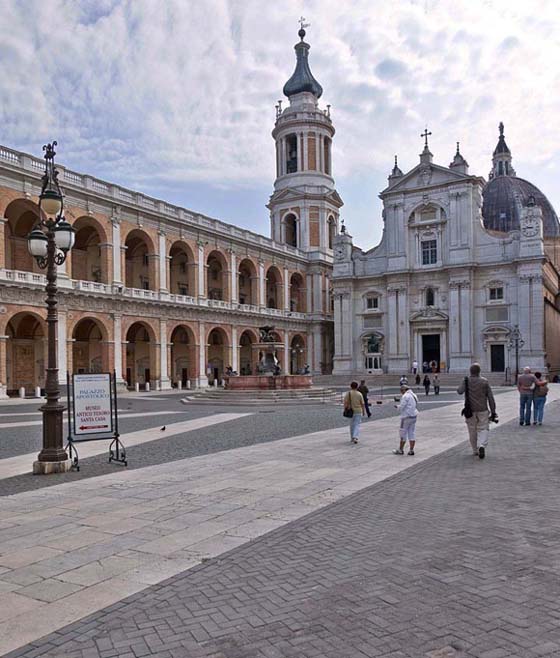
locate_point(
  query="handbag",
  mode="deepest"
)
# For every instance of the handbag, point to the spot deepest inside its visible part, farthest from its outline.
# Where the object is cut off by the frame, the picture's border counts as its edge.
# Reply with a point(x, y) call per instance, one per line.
point(348, 413)
point(467, 411)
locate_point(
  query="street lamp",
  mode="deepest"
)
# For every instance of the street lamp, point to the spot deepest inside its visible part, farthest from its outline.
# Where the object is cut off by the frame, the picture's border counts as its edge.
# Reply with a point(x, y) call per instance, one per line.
point(49, 243)
point(516, 341)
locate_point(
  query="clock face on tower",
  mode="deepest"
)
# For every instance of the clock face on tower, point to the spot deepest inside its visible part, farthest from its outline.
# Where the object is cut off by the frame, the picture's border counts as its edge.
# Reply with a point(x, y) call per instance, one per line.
point(530, 229)
point(339, 252)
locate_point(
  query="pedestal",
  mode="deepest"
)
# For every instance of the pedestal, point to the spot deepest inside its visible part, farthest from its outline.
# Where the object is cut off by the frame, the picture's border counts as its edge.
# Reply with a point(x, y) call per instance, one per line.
point(46, 468)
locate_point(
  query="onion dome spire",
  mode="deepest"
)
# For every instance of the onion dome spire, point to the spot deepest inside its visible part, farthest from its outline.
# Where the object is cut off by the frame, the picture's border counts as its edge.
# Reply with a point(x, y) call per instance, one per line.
point(302, 79)
point(501, 146)
point(501, 158)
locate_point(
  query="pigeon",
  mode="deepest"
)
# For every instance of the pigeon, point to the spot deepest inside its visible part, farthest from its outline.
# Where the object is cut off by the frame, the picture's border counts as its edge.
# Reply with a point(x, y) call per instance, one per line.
point(162, 429)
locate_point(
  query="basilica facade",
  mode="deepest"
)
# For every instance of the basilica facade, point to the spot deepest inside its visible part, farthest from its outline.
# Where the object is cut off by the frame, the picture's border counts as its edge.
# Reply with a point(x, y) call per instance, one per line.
point(166, 296)
point(466, 270)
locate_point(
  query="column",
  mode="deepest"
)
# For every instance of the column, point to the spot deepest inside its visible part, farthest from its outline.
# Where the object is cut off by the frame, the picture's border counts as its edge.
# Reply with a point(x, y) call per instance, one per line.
point(164, 364)
point(3, 367)
point(234, 350)
point(163, 263)
point(234, 279)
point(117, 274)
point(309, 293)
point(347, 324)
point(326, 306)
point(317, 292)
point(283, 157)
point(317, 350)
point(465, 304)
point(403, 324)
point(286, 289)
point(393, 327)
point(202, 378)
point(305, 154)
point(3, 238)
point(300, 152)
point(61, 347)
point(262, 285)
point(201, 273)
point(317, 152)
point(454, 320)
point(117, 349)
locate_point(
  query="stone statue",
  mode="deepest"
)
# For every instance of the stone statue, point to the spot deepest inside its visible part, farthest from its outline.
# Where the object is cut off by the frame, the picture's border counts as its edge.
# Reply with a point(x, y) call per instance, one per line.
point(266, 336)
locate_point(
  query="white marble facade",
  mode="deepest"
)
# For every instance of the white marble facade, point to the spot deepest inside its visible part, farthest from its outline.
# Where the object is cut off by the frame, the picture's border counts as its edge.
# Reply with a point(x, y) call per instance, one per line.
point(439, 286)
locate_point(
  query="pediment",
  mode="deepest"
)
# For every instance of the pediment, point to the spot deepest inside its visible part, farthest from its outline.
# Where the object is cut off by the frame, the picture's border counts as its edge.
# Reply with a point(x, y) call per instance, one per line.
point(425, 175)
point(292, 195)
point(429, 314)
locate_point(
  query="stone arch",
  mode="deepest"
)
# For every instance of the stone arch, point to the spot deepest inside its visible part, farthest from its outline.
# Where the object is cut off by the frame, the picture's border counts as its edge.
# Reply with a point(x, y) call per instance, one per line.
point(248, 354)
point(182, 269)
point(297, 293)
point(274, 287)
point(21, 216)
point(298, 354)
point(291, 229)
point(26, 352)
point(248, 282)
point(90, 253)
point(141, 354)
point(183, 362)
point(90, 347)
point(140, 260)
point(217, 283)
point(218, 354)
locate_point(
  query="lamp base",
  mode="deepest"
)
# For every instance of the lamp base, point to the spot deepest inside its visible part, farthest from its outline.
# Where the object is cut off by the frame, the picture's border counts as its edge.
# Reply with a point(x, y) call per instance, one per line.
point(46, 468)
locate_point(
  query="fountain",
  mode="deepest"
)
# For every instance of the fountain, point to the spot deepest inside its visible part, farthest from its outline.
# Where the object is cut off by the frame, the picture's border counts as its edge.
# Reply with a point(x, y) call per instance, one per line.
point(269, 374)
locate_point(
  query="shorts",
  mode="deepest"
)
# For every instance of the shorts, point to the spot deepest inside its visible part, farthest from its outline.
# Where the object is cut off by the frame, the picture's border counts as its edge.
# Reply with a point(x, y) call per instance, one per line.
point(408, 429)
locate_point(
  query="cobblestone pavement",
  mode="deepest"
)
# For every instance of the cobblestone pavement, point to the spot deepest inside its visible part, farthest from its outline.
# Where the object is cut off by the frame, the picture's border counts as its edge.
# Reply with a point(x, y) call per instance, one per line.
point(454, 557)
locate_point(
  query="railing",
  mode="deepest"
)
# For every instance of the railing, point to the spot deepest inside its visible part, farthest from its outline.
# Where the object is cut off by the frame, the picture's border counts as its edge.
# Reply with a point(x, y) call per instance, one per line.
point(93, 287)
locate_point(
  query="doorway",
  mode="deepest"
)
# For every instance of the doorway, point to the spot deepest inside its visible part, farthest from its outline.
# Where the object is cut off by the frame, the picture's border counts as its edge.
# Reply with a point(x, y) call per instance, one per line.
point(431, 349)
point(497, 358)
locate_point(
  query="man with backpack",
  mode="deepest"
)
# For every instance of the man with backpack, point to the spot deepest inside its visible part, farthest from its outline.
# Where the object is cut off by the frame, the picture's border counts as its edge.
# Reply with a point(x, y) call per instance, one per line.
point(478, 398)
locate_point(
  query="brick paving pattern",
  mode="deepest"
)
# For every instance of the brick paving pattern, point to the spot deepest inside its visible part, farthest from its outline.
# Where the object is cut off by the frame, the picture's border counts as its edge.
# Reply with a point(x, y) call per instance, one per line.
point(456, 557)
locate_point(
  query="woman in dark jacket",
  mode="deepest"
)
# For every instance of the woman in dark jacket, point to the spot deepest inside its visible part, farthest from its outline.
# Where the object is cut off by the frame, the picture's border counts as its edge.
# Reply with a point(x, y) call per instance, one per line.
point(426, 383)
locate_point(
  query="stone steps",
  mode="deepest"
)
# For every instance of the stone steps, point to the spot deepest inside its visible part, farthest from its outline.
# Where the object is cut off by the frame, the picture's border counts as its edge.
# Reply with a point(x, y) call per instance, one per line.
point(373, 381)
point(225, 397)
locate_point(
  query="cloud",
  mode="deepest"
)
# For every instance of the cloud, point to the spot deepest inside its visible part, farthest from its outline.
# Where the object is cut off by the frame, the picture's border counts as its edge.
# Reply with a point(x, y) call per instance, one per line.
point(170, 96)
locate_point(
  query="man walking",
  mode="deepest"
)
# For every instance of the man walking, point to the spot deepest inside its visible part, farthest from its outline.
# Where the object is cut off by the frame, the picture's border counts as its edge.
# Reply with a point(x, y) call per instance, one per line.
point(364, 390)
point(408, 409)
point(479, 397)
point(525, 385)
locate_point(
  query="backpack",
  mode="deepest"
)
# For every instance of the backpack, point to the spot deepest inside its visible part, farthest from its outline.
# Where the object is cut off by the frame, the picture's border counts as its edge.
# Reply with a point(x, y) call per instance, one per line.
point(540, 391)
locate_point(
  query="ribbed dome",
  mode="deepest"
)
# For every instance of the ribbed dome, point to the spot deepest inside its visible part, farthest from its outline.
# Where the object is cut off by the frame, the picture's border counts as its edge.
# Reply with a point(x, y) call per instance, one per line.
point(302, 79)
point(502, 197)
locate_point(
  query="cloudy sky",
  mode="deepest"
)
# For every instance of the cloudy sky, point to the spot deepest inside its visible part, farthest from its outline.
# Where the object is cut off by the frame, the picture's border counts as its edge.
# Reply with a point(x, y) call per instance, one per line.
point(176, 98)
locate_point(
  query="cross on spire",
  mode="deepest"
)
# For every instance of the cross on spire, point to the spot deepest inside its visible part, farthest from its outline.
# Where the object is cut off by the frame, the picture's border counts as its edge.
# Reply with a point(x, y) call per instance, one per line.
point(425, 135)
point(302, 23)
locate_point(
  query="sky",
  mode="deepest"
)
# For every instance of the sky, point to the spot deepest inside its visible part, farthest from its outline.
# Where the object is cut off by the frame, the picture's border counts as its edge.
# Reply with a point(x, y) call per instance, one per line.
point(176, 98)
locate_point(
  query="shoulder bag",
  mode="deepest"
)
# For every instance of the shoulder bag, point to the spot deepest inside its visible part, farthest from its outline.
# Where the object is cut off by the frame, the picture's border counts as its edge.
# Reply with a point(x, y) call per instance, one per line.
point(348, 411)
point(467, 411)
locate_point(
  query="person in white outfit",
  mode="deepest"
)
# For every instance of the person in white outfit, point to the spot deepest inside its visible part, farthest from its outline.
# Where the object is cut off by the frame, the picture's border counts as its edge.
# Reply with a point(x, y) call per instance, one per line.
point(408, 409)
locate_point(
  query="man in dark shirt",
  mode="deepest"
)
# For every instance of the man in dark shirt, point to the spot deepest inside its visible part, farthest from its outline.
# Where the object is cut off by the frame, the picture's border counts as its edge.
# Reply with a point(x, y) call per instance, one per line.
point(364, 390)
point(480, 397)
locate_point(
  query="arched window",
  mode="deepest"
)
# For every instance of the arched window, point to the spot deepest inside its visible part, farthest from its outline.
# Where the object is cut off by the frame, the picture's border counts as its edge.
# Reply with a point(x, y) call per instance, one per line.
point(291, 154)
point(430, 297)
point(290, 230)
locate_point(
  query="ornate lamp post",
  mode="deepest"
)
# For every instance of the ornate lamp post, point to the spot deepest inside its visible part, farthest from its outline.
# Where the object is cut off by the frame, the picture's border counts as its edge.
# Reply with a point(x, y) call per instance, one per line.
point(516, 341)
point(49, 243)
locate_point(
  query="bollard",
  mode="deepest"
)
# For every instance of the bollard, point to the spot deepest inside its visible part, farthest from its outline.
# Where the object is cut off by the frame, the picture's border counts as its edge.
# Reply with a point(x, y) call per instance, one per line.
point(22, 392)
point(179, 386)
point(215, 383)
point(37, 391)
point(189, 384)
point(137, 387)
point(147, 387)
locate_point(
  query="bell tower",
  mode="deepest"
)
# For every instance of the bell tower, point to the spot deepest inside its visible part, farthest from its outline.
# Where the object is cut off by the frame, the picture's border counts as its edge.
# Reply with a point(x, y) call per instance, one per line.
point(304, 208)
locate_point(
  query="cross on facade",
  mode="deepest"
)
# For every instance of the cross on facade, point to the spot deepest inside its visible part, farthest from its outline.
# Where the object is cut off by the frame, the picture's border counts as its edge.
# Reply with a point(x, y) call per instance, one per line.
point(425, 135)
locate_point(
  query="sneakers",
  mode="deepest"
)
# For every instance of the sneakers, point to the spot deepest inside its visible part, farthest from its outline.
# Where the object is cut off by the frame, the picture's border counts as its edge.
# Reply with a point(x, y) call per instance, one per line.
point(398, 451)
point(481, 452)
point(521, 423)
point(540, 423)
point(411, 453)
point(354, 440)
point(475, 453)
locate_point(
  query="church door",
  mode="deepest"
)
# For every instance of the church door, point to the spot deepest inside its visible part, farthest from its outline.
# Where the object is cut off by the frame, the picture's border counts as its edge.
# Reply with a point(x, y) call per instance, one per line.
point(431, 349)
point(497, 358)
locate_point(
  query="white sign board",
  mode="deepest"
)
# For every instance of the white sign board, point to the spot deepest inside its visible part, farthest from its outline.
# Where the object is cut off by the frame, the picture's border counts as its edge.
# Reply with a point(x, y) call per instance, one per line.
point(92, 404)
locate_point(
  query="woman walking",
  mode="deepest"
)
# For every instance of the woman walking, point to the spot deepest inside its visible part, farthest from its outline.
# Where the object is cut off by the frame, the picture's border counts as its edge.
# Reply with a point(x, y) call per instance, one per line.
point(436, 384)
point(539, 398)
point(426, 383)
point(354, 409)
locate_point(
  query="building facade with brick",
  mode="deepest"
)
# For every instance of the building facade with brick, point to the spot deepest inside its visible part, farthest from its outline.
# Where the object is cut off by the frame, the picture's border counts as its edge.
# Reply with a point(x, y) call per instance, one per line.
point(167, 296)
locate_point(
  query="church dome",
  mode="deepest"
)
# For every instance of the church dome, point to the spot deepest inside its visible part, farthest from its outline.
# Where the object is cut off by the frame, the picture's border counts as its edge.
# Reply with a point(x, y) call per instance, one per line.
point(302, 78)
point(505, 194)
point(503, 198)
